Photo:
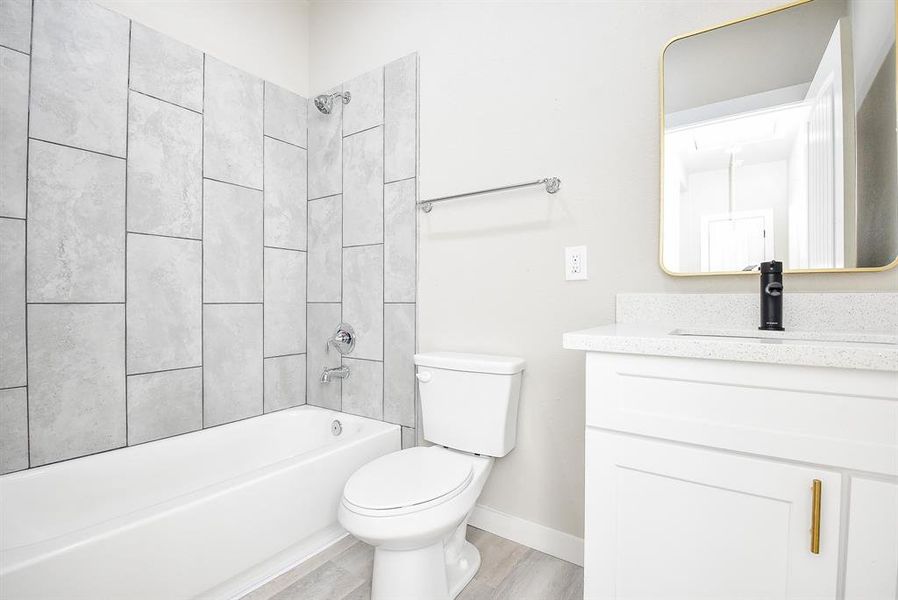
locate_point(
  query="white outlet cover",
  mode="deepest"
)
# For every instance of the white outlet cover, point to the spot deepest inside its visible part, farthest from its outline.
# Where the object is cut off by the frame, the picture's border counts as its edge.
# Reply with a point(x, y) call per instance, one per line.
point(575, 263)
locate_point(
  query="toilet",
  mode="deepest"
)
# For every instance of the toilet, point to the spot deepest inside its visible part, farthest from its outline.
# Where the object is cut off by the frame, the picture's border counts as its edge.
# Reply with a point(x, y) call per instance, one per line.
point(413, 505)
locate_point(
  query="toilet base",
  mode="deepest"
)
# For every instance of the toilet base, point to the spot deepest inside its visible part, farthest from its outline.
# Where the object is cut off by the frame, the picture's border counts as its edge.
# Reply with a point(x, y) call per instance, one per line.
point(423, 573)
point(462, 571)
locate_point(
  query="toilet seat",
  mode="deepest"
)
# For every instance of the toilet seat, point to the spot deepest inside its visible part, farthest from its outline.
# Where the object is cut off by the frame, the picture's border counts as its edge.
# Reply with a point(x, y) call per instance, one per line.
point(407, 481)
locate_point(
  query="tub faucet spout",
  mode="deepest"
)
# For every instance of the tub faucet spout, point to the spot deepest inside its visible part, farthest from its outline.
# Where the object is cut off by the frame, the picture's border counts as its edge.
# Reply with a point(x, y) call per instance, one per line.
point(339, 372)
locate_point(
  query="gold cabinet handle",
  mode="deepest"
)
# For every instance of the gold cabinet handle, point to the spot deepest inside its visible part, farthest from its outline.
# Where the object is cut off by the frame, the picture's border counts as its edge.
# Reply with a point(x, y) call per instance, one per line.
point(815, 517)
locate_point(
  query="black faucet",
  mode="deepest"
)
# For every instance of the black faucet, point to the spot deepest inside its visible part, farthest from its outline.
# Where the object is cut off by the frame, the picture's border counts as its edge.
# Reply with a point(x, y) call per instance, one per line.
point(772, 296)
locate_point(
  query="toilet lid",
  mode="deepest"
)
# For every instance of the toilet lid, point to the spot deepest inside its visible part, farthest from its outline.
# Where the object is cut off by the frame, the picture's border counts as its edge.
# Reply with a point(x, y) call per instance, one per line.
point(408, 477)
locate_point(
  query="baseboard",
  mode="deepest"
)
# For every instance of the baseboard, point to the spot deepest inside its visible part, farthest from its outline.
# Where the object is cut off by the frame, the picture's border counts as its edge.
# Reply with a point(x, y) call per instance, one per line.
point(533, 535)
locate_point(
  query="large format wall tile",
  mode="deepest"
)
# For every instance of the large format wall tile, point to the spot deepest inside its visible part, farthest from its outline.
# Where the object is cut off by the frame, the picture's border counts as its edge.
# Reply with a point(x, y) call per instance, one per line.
point(400, 258)
point(76, 380)
point(285, 115)
point(232, 356)
point(232, 243)
point(366, 109)
point(14, 125)
point(363, 194)
point(325, 150)
point(399, 365)
point(363, 391)
point(76, 225)
point(401, 118)
point(322, 321)
point(79, 75)
point(363, 298)
point(12, 303)
point(285, 302)
point(285, 195)
point(164, 404)
point(165, 68)
point(165, 168)
point(325, 249)
point(285, 382)
point(13, 430)
point(15, 24)
point(233, 125)
point(409, 437)
point(165, 303)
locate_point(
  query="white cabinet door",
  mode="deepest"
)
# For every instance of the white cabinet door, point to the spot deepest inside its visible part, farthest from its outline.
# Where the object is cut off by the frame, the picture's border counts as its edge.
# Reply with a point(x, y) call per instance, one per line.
point(871, 569)
point(667, 521)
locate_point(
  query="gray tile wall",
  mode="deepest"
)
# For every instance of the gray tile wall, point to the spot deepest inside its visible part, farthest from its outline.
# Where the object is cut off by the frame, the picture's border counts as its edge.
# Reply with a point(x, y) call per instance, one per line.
point(362, 245)
point(178, 238)
point(153, 256)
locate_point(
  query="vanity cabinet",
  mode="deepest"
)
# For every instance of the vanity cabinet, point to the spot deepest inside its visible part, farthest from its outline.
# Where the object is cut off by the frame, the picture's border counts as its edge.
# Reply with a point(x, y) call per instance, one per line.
point(700, 480)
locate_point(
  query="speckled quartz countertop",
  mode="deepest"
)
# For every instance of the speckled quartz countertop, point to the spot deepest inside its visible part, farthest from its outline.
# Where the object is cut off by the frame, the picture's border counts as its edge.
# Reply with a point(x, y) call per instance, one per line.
point(785, 348)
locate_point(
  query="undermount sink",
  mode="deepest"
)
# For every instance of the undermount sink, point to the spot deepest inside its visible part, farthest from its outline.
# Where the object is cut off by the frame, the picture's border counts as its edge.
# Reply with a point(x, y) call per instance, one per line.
point(809, 336)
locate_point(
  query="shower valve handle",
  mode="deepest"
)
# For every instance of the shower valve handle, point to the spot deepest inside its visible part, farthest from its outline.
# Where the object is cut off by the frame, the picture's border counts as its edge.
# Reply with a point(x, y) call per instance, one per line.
point(343, 340)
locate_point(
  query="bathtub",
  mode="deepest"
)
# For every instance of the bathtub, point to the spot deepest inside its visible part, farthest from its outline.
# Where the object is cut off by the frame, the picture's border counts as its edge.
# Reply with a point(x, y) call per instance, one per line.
point(211, 514)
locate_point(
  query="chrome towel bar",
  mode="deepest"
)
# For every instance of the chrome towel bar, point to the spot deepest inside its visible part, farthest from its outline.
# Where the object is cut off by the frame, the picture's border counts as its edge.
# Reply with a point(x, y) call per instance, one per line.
point(553, 184)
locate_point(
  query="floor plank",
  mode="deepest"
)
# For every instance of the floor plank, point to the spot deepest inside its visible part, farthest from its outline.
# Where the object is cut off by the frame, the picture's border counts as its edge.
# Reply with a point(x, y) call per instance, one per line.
point(508, 571)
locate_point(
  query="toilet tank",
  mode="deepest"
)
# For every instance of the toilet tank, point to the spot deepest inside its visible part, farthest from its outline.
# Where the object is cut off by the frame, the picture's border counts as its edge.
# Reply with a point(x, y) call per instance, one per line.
point(469, 402)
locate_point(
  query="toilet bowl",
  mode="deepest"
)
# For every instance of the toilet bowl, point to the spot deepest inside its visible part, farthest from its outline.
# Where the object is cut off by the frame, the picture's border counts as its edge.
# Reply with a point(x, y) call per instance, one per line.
point(413, 505)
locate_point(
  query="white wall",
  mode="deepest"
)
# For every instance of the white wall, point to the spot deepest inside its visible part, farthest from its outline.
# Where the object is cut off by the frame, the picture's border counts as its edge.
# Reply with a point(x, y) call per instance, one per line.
point(267, 38)
point(510, 92)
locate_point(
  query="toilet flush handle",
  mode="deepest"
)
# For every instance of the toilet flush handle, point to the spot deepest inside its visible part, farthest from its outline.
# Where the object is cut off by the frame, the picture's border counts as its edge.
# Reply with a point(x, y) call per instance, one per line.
point(423, 377)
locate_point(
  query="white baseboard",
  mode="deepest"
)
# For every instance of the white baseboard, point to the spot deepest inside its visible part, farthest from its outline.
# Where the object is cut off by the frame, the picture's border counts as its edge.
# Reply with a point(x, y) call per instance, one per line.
point(533, 535)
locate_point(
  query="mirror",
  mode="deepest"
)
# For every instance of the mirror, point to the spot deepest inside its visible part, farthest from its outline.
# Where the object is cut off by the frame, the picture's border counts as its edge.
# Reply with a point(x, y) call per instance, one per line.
point(779, 142)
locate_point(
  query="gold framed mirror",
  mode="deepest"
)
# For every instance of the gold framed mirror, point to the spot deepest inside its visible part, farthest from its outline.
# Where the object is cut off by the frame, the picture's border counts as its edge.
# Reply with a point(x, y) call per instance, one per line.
point(778, 141)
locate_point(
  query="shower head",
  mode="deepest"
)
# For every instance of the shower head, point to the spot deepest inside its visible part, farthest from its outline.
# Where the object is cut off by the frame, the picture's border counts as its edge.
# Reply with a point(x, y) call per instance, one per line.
point(325, 102)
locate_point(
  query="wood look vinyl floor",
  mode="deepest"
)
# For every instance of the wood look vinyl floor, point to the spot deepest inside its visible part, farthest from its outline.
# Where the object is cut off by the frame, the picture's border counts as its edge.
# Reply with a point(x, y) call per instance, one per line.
point(508, 571)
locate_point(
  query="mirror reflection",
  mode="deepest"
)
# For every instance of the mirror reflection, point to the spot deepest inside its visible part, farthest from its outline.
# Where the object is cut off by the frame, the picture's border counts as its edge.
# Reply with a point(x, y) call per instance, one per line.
point(779, 141)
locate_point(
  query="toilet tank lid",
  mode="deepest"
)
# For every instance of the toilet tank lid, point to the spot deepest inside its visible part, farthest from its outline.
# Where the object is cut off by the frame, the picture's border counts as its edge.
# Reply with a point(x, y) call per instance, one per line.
point(473, 363)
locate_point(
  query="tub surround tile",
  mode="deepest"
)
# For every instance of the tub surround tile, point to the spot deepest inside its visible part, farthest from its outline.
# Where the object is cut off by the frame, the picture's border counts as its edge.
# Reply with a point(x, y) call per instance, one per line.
point(12, 303)
point(165, 168)
point(400, 243)
point(232, 359)
point(325, 149)
point(285, 115)
point(232, 243)
point(13, 430)
point(409, 437)
point(232, 125)
point(366, 109)
point(285, 302)
point(76, 225)
point(285, 382)
point(363, 391)
point(322, 321)
point(363, 298)
point(399, 366)
point(14, 125)
point(164, 404)
point(401, 118)
point(363, 193)
point(165, 68)
point(15, 25)
point(325, 249)
point(285, 195)
point(79, 71)
point(76, 376)
point(164, 303)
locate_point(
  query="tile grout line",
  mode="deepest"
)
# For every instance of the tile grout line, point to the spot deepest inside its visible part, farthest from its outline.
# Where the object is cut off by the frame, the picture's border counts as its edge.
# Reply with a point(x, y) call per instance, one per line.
point(127, 135)
point(34, 139)
point(277, 139)
point(263, 248)
point(383, 254)
point(169, 102)
point(203, 256)
point(187, 368)
point(10, 48)
point(25, 238)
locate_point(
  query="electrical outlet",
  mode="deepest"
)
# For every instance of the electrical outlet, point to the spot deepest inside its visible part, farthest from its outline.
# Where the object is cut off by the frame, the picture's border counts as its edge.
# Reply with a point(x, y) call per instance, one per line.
point(575, 263)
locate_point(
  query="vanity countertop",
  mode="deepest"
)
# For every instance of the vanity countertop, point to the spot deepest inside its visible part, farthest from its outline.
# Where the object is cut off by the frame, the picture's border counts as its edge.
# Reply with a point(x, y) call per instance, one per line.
point(767, 347)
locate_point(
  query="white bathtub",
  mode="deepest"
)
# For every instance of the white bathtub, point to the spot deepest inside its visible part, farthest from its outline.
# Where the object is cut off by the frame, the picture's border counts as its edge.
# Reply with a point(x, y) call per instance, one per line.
point(211, 514)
